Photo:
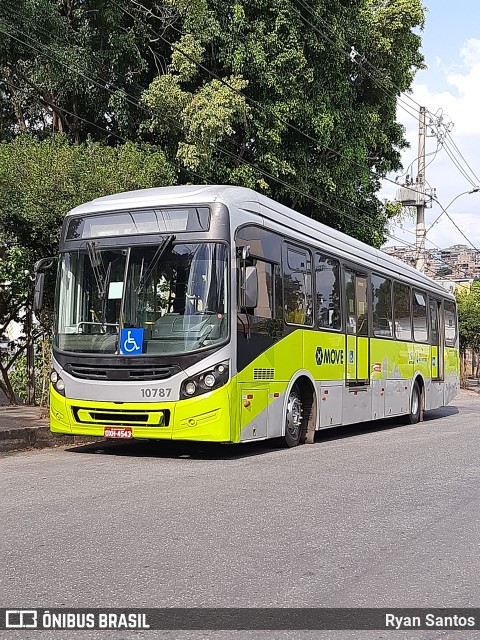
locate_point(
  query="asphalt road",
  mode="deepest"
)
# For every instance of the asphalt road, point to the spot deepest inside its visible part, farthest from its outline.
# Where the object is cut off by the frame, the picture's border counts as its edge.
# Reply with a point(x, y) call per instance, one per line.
point(379, 515)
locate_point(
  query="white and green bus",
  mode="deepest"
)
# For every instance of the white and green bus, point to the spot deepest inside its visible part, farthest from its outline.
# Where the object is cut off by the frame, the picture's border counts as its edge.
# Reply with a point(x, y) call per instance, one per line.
point(213, 313)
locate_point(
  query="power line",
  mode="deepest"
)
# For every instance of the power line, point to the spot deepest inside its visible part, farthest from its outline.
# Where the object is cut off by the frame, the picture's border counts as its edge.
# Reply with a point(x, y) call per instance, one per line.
point(251, 100)
point(457, 165)
point(219, 148)
point(440, 139)
point(133, 100)
point(110, 133)
point(477, 179)
point(453, 155)
point(353, 55)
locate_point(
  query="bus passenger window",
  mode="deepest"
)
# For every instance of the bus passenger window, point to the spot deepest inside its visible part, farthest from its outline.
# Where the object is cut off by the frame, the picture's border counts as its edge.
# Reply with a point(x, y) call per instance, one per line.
point(433, 305)
point(263, 319)
point(327, 291)
point(297, 286)
point(450, 323)
point(265, 306)
point(419, 317)
point(382, 307)
point(350, 301)
point(401, 306)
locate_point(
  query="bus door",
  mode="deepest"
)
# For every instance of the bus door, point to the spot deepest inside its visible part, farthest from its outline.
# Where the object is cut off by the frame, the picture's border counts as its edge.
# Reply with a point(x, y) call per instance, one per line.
point(358, 350)
point(436, 338)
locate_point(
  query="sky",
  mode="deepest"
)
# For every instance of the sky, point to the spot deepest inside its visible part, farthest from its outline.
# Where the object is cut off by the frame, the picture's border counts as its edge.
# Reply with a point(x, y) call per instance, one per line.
point(450, 88)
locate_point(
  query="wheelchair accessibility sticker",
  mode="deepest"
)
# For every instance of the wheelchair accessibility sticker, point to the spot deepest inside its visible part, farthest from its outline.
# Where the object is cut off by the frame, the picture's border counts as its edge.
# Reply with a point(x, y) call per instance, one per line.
point(131, 341)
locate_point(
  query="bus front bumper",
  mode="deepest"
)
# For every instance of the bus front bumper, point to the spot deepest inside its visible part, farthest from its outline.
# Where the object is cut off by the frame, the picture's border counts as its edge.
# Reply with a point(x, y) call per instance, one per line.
point(204, 418)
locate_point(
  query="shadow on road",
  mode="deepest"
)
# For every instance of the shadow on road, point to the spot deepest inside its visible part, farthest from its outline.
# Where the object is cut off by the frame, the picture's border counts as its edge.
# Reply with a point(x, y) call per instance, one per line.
point(214, 451)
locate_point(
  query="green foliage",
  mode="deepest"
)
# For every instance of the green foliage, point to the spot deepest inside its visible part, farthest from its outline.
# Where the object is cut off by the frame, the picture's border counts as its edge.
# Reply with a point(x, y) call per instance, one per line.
point(301, 109)
point(186, 63)
point(41, 180)
point(67, 66)
point(18, 373)
point(14, 287)
point(468, 306)
point(303, 106)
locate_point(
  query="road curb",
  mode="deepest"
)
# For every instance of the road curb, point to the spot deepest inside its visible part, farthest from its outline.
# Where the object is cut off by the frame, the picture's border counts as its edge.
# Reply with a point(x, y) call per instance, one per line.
point(37, 438)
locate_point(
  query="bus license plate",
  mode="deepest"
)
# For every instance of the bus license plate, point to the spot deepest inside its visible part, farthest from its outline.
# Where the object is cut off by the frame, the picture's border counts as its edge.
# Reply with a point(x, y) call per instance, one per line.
point(116, 432)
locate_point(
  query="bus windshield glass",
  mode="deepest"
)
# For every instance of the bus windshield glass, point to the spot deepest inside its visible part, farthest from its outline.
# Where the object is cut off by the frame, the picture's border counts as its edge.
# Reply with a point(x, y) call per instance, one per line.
point(169, 298)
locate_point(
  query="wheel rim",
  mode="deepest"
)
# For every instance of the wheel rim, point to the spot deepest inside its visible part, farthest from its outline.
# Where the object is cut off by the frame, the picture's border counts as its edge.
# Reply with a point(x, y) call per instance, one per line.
point(294, 415)
point(414, 408)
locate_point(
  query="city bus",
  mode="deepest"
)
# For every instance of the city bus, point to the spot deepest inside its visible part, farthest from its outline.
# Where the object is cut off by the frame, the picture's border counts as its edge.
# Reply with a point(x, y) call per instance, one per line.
point(213, 313)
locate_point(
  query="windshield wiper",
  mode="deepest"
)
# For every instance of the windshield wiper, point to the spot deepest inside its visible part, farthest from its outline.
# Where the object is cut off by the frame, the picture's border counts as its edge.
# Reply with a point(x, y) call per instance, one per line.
point(153, 262)
point(105, 297)
point(98, 272)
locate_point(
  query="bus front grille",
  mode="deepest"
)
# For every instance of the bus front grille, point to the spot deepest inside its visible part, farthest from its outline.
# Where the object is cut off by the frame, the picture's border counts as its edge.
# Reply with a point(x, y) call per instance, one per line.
point(122, 417)
point(93, 372)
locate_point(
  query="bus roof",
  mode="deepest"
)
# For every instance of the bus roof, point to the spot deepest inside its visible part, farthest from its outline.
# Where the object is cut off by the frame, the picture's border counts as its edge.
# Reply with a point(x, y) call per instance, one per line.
point(253, 202)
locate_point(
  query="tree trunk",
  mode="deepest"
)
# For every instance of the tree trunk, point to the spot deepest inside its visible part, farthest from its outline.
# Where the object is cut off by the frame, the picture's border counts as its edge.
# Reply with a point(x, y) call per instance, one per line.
point(6, 386)
point(463, 368)
point(16, 103)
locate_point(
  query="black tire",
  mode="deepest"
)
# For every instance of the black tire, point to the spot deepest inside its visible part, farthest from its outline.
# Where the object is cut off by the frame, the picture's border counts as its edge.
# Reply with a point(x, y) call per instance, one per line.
point(415, 404)
point(294, 422)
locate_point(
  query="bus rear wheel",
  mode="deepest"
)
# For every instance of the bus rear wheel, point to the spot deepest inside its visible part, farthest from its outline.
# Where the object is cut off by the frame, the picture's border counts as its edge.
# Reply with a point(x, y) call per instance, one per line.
point(415, 404)
point(294, 422)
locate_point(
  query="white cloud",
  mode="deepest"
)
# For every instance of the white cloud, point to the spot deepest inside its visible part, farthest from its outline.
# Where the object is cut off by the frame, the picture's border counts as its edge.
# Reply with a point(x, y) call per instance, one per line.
point(458, 99)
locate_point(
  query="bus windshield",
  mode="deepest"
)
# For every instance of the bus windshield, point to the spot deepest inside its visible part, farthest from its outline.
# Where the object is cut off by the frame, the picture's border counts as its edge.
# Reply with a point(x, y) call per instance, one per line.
point(170, 297)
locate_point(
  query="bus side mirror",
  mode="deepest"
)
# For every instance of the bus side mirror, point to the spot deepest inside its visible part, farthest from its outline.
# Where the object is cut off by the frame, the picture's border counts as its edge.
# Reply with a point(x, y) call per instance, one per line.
point(40, 267)
point(251, 288)
point(38, 292)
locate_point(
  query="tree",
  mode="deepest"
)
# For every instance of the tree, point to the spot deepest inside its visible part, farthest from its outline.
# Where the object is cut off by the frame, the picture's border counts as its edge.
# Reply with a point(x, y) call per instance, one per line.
point(39, 182)
point(74, 66)
point(282, 103)
point(468, 306)
point(13, 294)
point(297, 100)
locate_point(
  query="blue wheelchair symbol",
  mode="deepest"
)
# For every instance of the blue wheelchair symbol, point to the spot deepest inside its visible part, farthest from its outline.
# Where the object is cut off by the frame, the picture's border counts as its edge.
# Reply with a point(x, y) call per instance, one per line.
point(351, 357)
point(131, 341)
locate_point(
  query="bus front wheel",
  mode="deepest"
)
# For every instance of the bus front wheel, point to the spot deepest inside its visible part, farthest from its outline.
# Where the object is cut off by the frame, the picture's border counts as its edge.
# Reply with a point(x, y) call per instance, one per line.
point(294, 418)
point(415, 404)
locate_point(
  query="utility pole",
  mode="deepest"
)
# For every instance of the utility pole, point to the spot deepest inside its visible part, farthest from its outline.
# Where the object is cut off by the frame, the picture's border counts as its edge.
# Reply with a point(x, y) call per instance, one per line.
point(413, 194)
point(420, 234)
point(30, 354)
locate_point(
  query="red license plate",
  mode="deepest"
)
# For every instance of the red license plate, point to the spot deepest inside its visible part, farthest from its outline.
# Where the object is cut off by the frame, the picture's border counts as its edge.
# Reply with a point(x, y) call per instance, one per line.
point(117, 432)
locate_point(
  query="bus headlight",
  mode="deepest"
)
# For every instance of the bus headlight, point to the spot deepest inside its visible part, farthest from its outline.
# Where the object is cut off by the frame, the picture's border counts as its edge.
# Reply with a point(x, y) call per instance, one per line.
point(190, 388)
point(208, 380)
point(58, 383)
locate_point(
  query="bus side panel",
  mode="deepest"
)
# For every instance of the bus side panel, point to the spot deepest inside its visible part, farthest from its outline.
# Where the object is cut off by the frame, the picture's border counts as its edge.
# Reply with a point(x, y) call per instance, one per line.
point(321, 354)
point(262, 383)
point(393, 363)
point(325, 358)
point(452, 374)
point(423, 368)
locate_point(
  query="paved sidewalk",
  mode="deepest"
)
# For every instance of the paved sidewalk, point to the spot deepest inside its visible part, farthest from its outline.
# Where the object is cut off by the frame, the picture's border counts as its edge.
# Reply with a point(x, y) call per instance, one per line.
point(473, 384)
point(23, 427)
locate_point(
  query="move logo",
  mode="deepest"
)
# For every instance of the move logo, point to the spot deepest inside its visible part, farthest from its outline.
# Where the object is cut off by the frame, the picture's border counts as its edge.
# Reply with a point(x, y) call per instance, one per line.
point(328, 356)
